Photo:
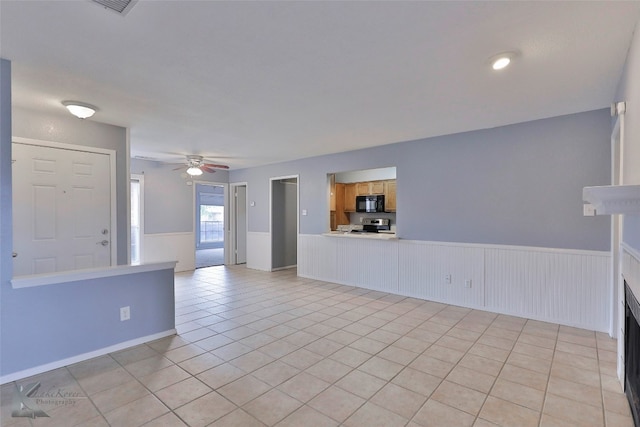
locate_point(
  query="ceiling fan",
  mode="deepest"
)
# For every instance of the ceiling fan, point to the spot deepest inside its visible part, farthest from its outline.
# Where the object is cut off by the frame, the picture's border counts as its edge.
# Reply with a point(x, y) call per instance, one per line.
point(196, 166)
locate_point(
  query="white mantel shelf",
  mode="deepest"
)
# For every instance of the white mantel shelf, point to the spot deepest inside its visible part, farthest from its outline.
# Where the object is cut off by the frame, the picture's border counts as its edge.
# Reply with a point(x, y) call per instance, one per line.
point(613, 199)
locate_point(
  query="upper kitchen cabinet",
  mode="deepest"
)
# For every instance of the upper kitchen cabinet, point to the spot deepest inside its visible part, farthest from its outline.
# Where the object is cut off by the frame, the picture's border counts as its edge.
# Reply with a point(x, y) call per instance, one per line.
point(369, 188)
point(362, 188)
point(332, 191)
point(390, 195)
point(350, 197)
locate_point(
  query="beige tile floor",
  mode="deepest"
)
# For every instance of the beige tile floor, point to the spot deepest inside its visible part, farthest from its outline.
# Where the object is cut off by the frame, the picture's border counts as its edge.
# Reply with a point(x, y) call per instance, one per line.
point(258, 348)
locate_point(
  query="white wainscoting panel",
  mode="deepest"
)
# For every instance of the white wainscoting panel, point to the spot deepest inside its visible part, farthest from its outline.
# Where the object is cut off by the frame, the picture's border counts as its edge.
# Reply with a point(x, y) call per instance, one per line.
point(424, 265)
point(317, 257)
point(178, 247)
point(570, 287)
point(259, 251)
point(560, 286)
point(367, 263)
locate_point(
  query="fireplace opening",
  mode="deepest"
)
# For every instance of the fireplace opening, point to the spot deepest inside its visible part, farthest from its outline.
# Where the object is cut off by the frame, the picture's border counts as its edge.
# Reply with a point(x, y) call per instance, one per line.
point(632, 354)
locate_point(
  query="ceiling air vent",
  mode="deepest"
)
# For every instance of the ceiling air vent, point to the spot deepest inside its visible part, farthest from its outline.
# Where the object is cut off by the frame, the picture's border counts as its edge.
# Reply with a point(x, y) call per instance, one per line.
point(122, 7)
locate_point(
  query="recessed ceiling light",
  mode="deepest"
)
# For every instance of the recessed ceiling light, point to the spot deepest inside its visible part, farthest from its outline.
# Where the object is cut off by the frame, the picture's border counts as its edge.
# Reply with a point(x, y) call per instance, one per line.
point(502, 60)
point(81, 110)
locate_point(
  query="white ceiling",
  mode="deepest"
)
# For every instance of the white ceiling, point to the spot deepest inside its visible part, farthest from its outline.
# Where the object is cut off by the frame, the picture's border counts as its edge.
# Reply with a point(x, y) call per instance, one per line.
point(250, 83)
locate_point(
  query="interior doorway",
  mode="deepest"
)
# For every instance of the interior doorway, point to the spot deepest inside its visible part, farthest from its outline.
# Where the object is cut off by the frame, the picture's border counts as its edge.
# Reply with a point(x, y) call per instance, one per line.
point(284, 222)
point(210, 225)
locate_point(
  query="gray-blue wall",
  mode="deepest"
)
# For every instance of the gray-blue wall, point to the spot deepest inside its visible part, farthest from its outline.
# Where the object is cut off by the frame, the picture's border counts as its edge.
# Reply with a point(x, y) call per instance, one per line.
point(46, 324)
point(514, 185)
point(6, 231)
point(168, 200)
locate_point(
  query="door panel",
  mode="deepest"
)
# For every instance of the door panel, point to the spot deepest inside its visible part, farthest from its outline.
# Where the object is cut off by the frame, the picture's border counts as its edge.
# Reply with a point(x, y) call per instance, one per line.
point(44, 212)
point(61, 209)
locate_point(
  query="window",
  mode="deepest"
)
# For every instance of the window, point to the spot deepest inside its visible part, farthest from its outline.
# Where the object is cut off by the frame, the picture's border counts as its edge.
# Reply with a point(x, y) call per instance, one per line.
point(211, 223)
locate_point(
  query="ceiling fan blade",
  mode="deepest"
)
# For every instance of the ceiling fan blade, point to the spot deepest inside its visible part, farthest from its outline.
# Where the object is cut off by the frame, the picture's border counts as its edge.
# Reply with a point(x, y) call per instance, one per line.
point(180, 167)
point(210, 165)
point(207, 169)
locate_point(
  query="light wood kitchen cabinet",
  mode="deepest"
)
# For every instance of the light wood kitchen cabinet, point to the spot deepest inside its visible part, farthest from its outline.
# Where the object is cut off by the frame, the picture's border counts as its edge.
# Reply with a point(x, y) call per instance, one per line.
point(349, 197)
point(341, 217)
point(332, 197)
point(367, 188)
point(376, 187)
point(362, 188)
point(390, 196)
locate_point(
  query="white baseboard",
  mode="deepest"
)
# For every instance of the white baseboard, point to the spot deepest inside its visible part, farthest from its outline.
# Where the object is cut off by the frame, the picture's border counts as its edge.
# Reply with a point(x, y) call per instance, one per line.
point(285, 268)
point(82, 357)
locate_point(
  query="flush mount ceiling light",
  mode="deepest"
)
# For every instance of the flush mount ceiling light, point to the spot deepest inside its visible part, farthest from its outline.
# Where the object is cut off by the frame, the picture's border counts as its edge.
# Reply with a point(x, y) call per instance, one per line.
point(502, 60)
point(80, 109)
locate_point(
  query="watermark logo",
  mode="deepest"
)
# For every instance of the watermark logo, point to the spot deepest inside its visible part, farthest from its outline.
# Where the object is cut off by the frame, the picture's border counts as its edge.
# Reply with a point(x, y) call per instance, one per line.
point(29, 401)
point(24, 404)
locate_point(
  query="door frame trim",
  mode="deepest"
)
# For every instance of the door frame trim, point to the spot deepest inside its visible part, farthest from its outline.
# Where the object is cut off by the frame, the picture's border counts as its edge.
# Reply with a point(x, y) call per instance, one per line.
point(233, 220)
point(271, 180)
point(112, 180)
point(617, 304)
point(140, 178)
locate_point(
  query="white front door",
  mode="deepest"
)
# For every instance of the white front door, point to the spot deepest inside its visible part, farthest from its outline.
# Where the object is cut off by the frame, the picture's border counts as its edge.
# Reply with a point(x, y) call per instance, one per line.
point(61, 209)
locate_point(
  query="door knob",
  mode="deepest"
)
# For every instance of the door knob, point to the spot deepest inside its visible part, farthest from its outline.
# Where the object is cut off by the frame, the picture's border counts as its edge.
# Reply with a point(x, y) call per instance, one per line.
point(103, 243)
point(14, 254)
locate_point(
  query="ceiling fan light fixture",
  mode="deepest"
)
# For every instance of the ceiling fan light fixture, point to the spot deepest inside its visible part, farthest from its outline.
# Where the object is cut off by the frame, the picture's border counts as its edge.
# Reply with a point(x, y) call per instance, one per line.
point(81, 110)
point(194, 171)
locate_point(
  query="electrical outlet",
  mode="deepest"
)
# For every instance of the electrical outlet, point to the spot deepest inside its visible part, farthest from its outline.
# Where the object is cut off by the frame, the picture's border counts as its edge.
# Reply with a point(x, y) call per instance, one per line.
point(125, 313)
point(467, 283)
point(588, 209)
point(447, 279)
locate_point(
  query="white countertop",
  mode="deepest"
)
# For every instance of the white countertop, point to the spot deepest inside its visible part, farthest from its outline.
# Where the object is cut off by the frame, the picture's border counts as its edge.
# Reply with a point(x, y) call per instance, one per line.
point(376, 236)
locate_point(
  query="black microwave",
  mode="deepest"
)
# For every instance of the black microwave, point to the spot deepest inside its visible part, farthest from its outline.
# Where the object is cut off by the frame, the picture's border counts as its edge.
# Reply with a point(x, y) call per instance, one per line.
point(370, 203)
